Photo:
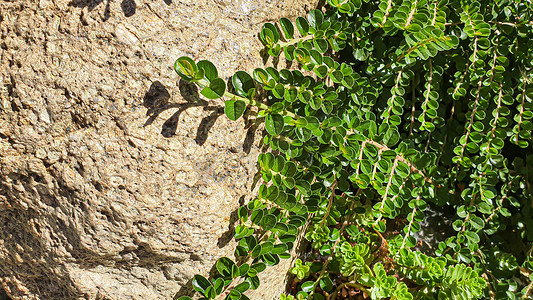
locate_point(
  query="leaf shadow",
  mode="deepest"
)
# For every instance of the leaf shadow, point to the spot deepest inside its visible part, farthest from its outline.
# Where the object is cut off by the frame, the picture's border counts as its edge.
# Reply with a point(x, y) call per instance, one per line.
point(207, 123)
point(129, 7)
point(227, 236)
point(156, 99)
point(185, 290)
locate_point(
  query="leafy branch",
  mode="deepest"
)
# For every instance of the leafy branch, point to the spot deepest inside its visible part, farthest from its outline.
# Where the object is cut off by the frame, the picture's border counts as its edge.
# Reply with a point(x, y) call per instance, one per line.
point(347, 168)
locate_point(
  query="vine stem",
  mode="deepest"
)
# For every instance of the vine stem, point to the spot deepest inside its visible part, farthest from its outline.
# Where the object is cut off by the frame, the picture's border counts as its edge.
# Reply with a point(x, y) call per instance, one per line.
point(330, 203)
point(324, 268)
point(237, 281)
point(295, 41)
point(395, 163)
point(410, 224)
point(529, 287)
point(512, 24)
point(411, 14)
point(402, 159)
point(413, 107)
point(394, 95)
point(203, 83)
point(387, 12)
point(350, 284)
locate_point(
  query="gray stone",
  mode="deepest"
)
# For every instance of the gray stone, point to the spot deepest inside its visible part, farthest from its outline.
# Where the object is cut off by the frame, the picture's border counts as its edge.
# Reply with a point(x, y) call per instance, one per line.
point(116, 180)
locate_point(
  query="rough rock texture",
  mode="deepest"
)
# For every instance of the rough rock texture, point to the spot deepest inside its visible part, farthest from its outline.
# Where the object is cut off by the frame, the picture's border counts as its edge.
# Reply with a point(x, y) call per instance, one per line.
point(116, 181)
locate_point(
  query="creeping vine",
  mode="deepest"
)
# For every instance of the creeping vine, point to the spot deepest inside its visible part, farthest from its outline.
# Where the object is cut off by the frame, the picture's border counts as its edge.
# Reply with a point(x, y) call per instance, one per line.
point(396, 110)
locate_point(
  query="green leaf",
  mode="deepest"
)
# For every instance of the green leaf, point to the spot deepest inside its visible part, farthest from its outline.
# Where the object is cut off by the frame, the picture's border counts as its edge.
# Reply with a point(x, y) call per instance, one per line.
point(289, 182)
point(272, 193)
point(321, 71)
point(287, 27)
point(257, 216)
point(234, 109)
point(210, 71)
point(278, 91)
point(224, 266)
point(472, 236)
point(215, 90)
point(303, 186)
point(302, 56)
point(243, 287)
point(315, 18)
point(234, 295)
point(243, 83)
point(321, 45)
point(380, 226)
point(254, 282)
point(186, 68)
point(243, 213)
point(336, 76)
point(402, 169)
point(269, 34)
point(477, 223)
point(302, 25)
point(268, 222)
point(307, 286)
point(274, 124)
point(266, 247)
point(200, 284)
point(261, 76)
point(326, 284)
point(256, 251)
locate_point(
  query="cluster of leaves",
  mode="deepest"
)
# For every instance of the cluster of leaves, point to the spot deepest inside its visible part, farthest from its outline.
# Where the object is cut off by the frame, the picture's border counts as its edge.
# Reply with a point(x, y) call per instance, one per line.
point(395, 106)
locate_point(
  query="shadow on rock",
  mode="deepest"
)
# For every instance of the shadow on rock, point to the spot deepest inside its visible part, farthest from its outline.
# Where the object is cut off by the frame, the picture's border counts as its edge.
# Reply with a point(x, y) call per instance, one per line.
point(227, 236)
point(91, 4)
point(253, 126)
point(207, 123)
point(185, 290)
point(4, 296)
point(157, 99)
point(128, 6)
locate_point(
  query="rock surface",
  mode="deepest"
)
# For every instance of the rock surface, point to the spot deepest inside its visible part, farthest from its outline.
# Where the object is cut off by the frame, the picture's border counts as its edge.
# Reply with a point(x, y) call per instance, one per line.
point(116, 180)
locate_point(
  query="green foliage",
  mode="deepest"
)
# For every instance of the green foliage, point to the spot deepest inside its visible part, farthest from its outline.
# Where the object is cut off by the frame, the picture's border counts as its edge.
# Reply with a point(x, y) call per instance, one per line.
point(397, 109)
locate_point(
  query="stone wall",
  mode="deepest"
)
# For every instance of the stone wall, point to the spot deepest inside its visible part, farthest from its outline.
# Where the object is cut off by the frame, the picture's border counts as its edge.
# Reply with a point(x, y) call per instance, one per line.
point(117, 181)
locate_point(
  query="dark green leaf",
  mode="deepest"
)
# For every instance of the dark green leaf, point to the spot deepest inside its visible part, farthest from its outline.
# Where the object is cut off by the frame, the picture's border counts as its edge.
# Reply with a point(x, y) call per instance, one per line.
point(224, 266)
point(274, 124)
point(278, 91)
point(234, 109)
point(268, 222)
point(210, 71)
point(200, 284)
point(215, 90)
point(302, 25)
point(287, 27)
point(242, 82)
point(243, 287)
point(307, 286)
point(269, 34)
point(321, 45)
point(315, 18)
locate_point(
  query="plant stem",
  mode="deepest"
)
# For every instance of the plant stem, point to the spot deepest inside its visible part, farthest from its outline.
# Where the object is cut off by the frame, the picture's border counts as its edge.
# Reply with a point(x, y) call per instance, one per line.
point(296, 40)
point(330, 203)
point(203, 83)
